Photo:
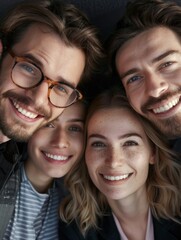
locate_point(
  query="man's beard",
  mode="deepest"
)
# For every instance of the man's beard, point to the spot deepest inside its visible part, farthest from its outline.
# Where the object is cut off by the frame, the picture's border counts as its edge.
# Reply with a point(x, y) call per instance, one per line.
point(171, 127)
point(14, 129)
point(10, 129)
point(15, 132)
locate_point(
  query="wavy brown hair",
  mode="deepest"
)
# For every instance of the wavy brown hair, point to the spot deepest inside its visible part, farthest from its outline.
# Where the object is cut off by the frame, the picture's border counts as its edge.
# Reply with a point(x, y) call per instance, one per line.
point(86, 204)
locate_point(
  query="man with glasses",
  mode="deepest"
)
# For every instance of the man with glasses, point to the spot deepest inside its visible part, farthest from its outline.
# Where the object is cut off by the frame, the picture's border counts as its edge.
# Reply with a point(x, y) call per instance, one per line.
point(62, 47)
point(46, 49)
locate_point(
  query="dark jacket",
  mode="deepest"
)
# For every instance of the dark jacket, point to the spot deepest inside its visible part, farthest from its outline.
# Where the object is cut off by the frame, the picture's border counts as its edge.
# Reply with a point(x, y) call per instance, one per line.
point(9, 180)
point(163, 230)
point(176, 145)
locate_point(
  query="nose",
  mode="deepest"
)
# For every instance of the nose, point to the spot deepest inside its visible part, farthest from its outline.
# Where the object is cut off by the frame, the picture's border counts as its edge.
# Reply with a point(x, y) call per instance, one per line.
point(114, 158)
point(60, 139)
point(39, 94)
point(156, 85)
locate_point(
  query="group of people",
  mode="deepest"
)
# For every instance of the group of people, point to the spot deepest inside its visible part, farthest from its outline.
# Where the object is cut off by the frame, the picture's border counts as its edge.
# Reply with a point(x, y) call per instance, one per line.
point(72, 169)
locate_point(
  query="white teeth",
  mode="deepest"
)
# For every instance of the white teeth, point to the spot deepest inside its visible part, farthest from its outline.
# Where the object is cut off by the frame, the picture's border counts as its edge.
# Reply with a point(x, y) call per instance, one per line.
point(56, 157)
point(24, 112)
point(166, 107)
point(116, 178)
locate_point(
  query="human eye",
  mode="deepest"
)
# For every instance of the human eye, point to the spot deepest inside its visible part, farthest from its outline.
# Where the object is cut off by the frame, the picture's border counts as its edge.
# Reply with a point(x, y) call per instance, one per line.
point(50, 125)
point(130, 143)
point(98, 144)
point(62, 89)
point(166, 65)
point(76, 129)
point(133, 79)
point(28, 69)
point(27, 73)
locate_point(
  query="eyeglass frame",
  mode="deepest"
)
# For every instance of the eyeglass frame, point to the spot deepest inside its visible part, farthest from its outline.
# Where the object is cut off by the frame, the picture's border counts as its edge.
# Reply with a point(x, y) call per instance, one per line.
point(51, 83)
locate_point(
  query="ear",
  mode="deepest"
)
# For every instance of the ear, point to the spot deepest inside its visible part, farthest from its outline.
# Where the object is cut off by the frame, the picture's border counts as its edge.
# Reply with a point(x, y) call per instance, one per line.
point(152, 159)
point(153, 156)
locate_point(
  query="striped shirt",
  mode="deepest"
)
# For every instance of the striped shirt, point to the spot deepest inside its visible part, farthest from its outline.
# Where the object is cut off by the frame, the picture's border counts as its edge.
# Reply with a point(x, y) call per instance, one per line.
point(35, 215)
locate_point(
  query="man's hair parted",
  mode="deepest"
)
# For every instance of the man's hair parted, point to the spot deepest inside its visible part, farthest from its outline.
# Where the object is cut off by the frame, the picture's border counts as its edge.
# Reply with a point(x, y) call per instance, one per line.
point(66, 20)
point(141, 15)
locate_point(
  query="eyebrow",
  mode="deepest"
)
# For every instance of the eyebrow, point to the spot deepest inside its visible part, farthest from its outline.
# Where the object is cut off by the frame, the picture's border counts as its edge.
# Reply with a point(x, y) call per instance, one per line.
point(160, 57)
point(129, 72)
point(76, 120)
point(72, 120)
point(39, 65)
point(157, 59)
point(127, 135)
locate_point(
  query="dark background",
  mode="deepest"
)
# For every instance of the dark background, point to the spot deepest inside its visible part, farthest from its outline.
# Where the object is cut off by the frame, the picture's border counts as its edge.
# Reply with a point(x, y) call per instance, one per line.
point(102, 13)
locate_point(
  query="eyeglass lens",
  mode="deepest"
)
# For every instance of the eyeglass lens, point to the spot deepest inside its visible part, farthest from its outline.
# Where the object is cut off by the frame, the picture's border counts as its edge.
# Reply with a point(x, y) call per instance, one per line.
point(27, 75)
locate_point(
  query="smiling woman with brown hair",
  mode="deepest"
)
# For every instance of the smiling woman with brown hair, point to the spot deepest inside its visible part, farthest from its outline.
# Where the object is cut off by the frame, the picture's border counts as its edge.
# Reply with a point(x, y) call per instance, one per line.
point(129, 185)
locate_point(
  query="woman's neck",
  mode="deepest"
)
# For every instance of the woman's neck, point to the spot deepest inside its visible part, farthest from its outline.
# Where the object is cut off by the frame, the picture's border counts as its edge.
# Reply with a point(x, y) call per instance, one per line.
point(132, 214)
point(39, 181)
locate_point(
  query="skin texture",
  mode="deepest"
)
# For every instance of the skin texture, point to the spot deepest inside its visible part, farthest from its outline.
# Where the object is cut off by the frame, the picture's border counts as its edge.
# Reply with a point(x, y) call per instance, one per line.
point(150, 69)
point(118, 155)
point(58, 62)
point(118, 146)
point(54, 148)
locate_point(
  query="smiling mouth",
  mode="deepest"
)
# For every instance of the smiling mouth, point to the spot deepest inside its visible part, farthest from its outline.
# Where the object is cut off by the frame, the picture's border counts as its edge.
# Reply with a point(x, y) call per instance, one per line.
point(166, 107)
point(23, 111)
point(117, 178)
point(56, 157)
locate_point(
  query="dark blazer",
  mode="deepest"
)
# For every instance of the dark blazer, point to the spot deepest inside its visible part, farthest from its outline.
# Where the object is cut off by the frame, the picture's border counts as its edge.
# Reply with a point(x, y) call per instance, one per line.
point(163, 230)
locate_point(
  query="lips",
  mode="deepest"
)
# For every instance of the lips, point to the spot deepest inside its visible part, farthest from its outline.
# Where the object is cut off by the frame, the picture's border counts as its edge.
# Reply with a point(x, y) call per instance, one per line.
point(166, 107)
point(23, 111)
point(118, 177)
point(56, 157)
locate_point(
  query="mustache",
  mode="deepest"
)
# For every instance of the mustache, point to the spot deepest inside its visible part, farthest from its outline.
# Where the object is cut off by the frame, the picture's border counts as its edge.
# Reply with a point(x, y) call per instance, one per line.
point(28, 102)
point(151, 101)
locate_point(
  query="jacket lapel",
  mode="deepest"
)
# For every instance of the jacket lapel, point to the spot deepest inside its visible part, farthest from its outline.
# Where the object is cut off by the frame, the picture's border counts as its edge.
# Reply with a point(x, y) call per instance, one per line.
point(109, 231)
point(167, 230)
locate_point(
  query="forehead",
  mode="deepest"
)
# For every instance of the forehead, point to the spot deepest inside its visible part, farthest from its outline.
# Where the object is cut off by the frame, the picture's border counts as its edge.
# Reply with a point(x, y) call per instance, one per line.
point(115, 121)
point(43, 42)
point(75, 112)
point(36, 33)
point(148, 45)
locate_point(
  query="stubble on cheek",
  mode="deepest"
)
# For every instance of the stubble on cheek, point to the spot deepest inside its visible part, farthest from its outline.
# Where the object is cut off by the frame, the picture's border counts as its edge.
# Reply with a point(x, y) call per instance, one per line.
point(171, 127)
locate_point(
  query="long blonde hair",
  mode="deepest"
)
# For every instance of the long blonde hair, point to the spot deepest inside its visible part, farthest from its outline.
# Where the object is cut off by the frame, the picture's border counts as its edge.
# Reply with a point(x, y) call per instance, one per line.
point(86, 204)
